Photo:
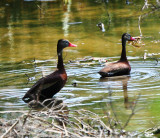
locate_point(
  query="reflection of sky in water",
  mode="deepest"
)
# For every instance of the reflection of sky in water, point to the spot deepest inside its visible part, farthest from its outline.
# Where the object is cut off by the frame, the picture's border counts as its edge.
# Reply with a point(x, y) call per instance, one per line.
point(65, 19)
point(10, 35)
point(144, 78)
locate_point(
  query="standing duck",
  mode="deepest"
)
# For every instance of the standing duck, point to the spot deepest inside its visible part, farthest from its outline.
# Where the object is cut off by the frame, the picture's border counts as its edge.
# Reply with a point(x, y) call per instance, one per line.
point(120, 67)
point(49, 85)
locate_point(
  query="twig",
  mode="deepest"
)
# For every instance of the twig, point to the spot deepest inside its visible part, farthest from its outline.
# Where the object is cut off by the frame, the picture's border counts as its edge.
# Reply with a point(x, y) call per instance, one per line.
point(139, 26)
point(109, 129)
point(10, 129)
point(25, 119)
point(4, 112)
point(79, 123)
point(101, 133)
point(145, 5)
point(16, 132)
point(65, 129)
point(146, 14)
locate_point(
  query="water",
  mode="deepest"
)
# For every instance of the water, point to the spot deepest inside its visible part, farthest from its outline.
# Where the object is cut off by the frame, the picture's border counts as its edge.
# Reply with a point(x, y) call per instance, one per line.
point(29, 32)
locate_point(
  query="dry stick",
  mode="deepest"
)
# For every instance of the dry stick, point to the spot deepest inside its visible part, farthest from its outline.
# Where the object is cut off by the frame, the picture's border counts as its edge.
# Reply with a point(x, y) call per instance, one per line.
point(46, 106)
point(98, 119)
point(10, 129)
point(55, 131)
point(75, 123)
point(45, 129)
point(44, 121)
point(143, 132)
point(25, 119)
point(61, 129)
point(68, 131)
point(145, 5)
point(84, 125)
point(72, 123)
point(133, 112)
point(146, 14)
point(89, 112)
point(4, 112)
point(61, 134)
point(139, 26)
point(111, 131)
point(31, 116)
point(59, 116)
point(101, 123)
point(80, 121)
point(16, 132)
point(101, 133)
point(65, 129)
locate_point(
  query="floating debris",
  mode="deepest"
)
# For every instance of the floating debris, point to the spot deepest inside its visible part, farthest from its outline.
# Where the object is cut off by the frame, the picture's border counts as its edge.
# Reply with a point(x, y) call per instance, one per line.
point(137, 43)
point(154, 56)
point(156, 41)
point(74, 84)
point(75, 23)
point(90, 61)
point(30, 78)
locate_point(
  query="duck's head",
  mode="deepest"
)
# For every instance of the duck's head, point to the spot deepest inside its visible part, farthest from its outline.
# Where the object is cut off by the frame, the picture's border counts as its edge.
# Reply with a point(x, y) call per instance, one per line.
point(62, 43)
point(127, 37)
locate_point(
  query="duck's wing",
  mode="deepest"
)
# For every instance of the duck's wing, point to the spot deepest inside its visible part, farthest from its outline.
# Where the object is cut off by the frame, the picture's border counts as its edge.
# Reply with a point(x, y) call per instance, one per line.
point(43, 85)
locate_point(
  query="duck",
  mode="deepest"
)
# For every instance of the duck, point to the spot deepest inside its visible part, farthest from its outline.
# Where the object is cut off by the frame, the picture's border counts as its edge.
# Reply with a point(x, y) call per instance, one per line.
point(101, 26)
point(48, 86)
point(121, 67)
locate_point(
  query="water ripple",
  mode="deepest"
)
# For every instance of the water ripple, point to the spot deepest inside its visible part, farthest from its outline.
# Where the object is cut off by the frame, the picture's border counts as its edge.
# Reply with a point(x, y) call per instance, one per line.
point(90, 89)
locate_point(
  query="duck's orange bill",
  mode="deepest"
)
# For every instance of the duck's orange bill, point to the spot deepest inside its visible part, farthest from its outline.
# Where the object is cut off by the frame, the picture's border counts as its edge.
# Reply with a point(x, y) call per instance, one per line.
point(72, 45)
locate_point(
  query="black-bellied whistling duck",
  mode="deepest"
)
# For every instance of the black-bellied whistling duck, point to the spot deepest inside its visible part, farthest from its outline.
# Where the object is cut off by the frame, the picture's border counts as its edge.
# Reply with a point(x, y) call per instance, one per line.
point(120, 67)
point(48, 86)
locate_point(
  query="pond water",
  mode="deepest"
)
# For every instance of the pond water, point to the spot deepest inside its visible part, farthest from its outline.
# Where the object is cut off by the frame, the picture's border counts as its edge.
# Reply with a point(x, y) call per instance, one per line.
point(29, 31)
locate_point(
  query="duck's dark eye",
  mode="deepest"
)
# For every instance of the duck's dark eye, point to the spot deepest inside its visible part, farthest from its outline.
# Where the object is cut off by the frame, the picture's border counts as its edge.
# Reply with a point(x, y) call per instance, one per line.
point(127, 37)
point(66, 43)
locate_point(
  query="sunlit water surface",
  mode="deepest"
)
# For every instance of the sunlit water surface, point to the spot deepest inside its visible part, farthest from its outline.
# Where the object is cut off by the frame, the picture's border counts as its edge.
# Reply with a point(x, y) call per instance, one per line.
point(28, 37)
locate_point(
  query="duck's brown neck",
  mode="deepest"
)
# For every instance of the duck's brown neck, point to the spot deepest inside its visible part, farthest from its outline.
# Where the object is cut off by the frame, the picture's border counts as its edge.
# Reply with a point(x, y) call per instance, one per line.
point(123, 54)
point(60, 65)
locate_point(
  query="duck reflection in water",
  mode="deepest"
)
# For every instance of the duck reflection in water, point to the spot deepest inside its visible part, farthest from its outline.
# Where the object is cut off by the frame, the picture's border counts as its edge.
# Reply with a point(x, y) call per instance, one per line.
point(124, 80)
